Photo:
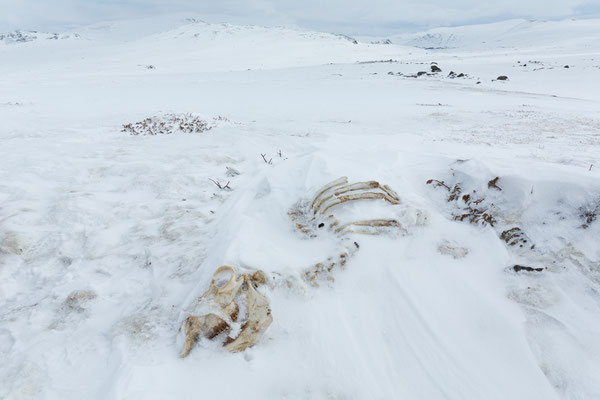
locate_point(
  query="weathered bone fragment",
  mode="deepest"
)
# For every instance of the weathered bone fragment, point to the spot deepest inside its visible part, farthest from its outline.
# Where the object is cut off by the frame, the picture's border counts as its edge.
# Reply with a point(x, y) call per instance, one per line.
point(221, 297)
point(345, 189)
point(363, 232)
point(209, 326)
point(357, 186)
point(258, 320)
point(452, 250)
point(323, 270)
point(359, 196)
point(224, 293)
point(338, 182)
point(311, 217)
point(372, 222)
point(390, 192)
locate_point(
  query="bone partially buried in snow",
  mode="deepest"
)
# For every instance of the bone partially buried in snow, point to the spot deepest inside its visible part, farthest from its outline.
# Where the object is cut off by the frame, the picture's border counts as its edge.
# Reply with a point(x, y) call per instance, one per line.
point(223, 296)
point(312, 216)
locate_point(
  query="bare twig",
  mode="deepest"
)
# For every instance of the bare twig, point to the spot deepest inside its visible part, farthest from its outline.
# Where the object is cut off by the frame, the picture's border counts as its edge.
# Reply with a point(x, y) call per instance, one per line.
point(222, 187)
point(493, 184)
point(591, 165)
point(264, 156)
point(438, 183)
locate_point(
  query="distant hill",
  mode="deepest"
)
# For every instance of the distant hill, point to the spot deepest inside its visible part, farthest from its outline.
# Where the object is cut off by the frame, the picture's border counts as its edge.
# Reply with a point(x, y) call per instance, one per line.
point(506, 34)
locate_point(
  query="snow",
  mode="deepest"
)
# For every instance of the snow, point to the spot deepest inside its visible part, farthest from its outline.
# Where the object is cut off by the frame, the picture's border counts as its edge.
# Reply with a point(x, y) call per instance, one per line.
point(107, 238)
point(514, 34)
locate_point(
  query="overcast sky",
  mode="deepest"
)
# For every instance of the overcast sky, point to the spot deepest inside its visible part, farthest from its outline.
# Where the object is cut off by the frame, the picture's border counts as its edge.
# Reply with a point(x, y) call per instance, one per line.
point(377, 17)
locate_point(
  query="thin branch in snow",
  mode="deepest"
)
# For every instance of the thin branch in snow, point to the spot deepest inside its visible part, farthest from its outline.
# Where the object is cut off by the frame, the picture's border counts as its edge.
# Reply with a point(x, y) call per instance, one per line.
point(264, 156)
point(222, 187)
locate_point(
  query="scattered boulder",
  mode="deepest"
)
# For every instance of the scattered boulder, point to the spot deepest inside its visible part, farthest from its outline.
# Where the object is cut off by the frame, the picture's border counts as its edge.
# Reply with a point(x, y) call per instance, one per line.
point(435, 69)
point(384, 41)
point(453, 75)
point(502, 78)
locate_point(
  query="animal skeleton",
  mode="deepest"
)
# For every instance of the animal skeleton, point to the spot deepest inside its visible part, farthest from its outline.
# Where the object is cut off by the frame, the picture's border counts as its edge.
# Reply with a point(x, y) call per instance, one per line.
point(337, 193)
point(319, 213)
point(224, 299)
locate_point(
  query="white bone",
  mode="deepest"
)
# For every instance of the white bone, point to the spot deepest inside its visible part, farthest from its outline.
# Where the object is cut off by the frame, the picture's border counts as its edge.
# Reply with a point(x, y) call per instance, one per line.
point(258, 320)
point(359, 196)
point(390, 192)
point(371, 222)
point(345, 189)
point(357, 186)
point(222, 299)
point(340, 181)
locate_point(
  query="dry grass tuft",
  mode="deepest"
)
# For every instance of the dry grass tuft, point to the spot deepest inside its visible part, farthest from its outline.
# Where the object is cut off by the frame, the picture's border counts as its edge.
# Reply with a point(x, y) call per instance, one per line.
point(167, 124)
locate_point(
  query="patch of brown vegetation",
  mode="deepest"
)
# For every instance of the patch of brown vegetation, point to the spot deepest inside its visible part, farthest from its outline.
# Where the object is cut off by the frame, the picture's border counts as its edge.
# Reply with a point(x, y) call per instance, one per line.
point(167, 124)
point(471, 211)
point(493, 184)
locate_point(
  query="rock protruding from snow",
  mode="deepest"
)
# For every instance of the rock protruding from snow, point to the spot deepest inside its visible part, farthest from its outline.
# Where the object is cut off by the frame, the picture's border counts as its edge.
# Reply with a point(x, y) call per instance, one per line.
point(19, 36)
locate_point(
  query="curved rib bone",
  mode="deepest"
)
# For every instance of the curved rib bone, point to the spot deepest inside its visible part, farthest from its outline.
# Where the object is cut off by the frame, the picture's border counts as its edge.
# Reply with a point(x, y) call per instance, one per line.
point(357, 186)
point(371, 222)
point(345, 189)
point(359, 196)
point(390, 192)
point(340, 181)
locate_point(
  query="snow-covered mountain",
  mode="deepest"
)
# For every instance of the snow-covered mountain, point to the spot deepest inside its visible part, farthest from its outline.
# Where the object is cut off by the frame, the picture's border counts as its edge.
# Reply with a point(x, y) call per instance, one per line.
point(197, 46)
point(517, 34)
point(485, 285)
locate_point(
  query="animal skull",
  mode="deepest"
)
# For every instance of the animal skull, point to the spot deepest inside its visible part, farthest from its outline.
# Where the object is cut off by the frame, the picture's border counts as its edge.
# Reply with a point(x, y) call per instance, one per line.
point(223, 298)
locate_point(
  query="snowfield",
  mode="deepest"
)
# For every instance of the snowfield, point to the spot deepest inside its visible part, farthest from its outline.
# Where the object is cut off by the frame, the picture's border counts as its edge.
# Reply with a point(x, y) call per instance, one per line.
point(107, 238)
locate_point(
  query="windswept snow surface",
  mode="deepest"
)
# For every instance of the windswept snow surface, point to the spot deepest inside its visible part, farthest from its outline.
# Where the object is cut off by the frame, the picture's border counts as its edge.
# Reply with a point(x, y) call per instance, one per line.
point(106, 238)
point(512, 34)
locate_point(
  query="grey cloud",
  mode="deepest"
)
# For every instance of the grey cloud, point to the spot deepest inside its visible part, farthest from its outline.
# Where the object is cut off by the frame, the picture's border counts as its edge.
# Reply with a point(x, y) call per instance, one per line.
point(346, 16)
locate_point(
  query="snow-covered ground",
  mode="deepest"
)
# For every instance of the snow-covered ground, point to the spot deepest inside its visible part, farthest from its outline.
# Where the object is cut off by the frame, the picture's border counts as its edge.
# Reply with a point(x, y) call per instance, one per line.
point(106, 238)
